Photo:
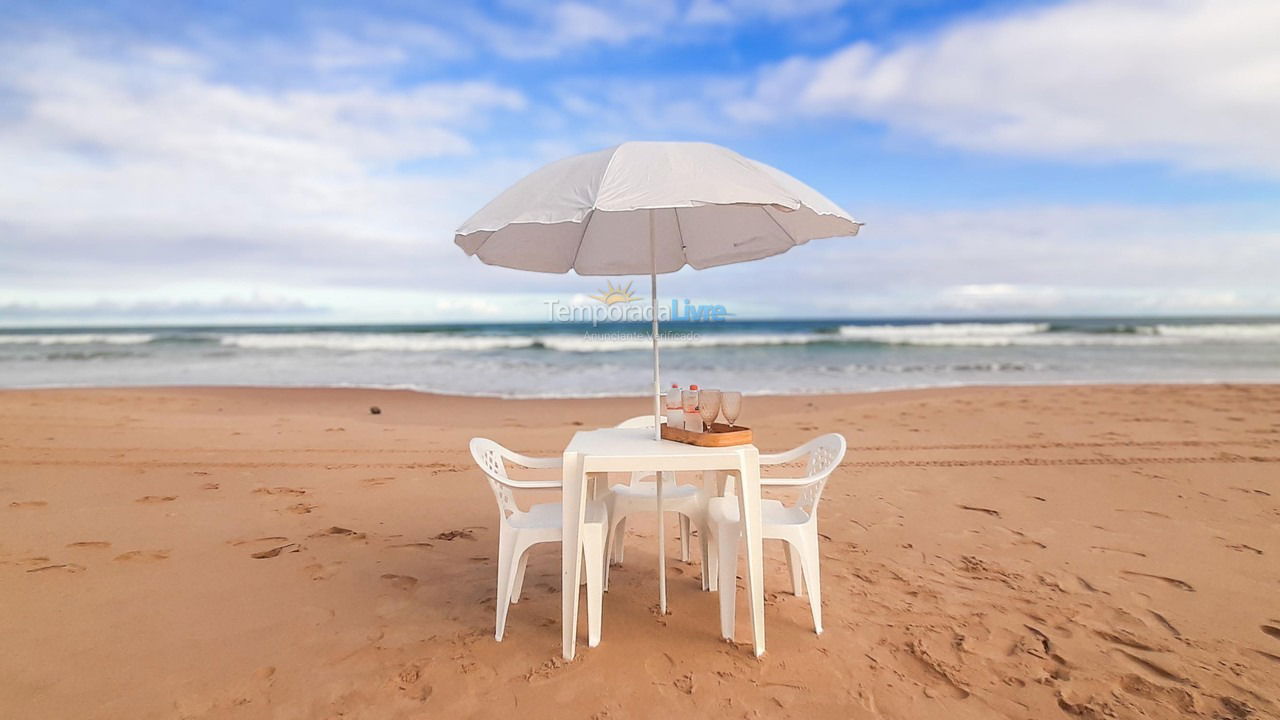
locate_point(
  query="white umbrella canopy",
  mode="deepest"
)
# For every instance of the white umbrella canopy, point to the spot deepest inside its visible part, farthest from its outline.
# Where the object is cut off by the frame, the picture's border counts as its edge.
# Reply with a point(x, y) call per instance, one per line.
point(590, 213)
point(649, 208)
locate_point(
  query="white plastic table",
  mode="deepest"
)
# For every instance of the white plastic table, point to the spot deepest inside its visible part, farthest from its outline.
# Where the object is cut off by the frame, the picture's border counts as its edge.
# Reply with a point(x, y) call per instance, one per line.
point(632, 449)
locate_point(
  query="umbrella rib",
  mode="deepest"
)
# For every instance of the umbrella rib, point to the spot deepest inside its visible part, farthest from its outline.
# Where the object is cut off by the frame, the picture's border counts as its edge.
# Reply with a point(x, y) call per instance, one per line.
point(765, 210)
point(679, 231)
point(684, 254)
point(583, 238)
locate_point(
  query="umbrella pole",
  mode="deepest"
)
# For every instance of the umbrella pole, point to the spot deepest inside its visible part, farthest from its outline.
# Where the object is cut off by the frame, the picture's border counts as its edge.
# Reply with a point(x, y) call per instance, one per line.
point(660, 478)
point(653, 300)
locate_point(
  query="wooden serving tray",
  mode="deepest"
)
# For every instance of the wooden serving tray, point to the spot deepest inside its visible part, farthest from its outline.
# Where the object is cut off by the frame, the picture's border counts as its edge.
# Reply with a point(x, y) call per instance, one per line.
point(721, 435)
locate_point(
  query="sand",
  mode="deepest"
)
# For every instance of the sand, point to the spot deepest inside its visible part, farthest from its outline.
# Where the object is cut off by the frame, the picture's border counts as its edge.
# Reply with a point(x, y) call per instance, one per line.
point(1045, 552)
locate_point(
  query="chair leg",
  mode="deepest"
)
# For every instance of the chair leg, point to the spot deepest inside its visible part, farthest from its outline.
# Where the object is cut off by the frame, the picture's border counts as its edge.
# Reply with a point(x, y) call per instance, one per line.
point(593, 552)
point(612, 539)
point(519, 584)
point(620, 536)
point(813, 581)
point(796, 570)
point(707, 570)
point(684, 538)
point(506, 548)
point(727, 560)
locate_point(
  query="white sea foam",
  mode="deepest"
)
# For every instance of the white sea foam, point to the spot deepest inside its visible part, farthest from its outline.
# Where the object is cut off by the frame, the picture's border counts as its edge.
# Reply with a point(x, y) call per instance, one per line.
point(1042, 334)
point(386, 342)
point(76, 339)
point(609, 342)
point(974, 334)
point(1257, 332)
point(889, 333)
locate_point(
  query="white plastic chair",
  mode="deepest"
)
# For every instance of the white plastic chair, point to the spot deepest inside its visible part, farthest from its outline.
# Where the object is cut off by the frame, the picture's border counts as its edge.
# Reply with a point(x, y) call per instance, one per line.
point(796, 525)
point(541, 523)
point(641, 495)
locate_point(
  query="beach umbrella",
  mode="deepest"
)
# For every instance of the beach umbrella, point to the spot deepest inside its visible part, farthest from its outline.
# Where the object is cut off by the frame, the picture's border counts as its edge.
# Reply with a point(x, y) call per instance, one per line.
point(647, 208)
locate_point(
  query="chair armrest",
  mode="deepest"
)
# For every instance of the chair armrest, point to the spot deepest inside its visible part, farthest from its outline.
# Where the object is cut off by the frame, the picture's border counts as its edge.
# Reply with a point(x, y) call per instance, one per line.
point(787, 482)
point(532, 484)
point(783, 457)
point(535, 463)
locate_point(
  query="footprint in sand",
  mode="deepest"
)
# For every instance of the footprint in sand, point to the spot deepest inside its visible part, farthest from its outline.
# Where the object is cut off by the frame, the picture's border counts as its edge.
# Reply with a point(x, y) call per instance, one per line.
point(153, 499)
point(301, 508)
point(210, 486)
point(1105, 549)
point(323, 571)
point(1152, 513)
point(1254, 491)
point(1165, 623)
point(1175, 582)
point(463, 534)
point(414, 546)
point(275, 551)
point(1125, 638)
point(1086, 585)
point(401, 582)
point(988, 511)
point(376, 481)
point(28, 504)
point(336, 531)
point(273, 538)
point(279, 491)
point(136, 556)
point(95, 544)
point(63, 567)
point(1272, 630)
point(1154, 668)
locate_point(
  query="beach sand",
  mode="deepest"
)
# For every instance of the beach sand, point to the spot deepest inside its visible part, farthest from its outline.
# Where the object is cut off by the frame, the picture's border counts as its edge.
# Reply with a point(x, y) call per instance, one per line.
point(1043, 552)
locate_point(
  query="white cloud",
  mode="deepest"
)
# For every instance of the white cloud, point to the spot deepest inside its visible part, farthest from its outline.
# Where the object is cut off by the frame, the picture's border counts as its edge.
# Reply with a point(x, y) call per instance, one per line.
point(142, 161)
point(724, 12)
point(552, 29)
point(1043, 259)
point(548, 30)
point(254, 304)
point(1195, 83)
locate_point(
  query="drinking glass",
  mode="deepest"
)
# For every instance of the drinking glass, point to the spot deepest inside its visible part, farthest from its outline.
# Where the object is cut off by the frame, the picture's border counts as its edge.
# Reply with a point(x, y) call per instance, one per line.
point(709, 406)
point(689, 401)
point(731, 402)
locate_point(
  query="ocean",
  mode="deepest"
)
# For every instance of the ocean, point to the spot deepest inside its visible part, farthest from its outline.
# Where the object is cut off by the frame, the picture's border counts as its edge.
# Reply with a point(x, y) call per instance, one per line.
point(575, 360)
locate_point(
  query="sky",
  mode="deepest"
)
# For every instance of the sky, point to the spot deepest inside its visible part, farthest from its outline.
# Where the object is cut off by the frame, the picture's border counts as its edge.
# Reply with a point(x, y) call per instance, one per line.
point(274, 162)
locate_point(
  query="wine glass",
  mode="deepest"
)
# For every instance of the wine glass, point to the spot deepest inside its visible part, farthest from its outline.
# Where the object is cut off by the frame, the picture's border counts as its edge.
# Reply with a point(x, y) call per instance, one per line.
point(709, 406)
point(732, 404)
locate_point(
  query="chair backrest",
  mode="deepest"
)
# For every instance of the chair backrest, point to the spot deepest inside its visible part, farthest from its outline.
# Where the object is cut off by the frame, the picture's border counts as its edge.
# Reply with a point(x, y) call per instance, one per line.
point(825, 453)
point(489, 456)
point(639, 421)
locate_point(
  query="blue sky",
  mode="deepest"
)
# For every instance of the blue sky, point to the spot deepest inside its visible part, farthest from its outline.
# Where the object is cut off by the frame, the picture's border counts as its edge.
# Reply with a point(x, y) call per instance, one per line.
point(279, 162)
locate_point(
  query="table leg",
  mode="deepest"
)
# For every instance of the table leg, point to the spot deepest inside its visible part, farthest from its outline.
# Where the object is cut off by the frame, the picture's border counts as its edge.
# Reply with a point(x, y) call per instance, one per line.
point(752, 527)
point(661, 479)
point(574, 507)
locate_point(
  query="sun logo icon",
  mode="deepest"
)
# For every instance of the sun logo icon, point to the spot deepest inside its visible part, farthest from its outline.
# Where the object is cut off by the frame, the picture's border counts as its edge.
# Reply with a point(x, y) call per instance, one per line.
point(613, 295)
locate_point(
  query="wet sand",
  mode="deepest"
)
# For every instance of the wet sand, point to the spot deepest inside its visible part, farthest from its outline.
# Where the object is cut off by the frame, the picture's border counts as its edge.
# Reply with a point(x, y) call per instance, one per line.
point(1040, 552)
